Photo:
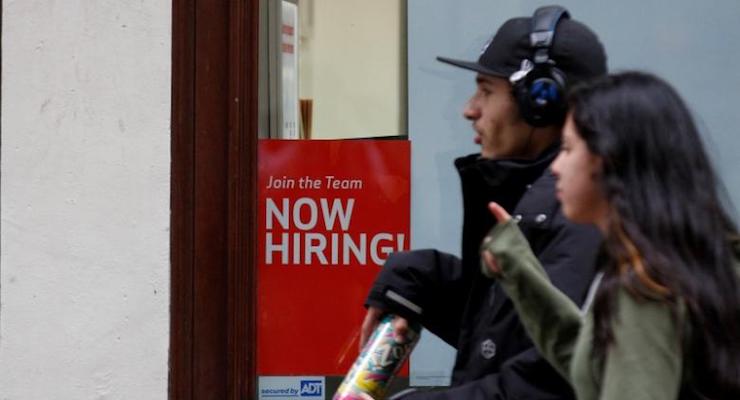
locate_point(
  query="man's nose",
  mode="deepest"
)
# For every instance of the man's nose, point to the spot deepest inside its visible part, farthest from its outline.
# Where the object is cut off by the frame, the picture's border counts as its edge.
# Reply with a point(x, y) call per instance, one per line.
point(471, 111)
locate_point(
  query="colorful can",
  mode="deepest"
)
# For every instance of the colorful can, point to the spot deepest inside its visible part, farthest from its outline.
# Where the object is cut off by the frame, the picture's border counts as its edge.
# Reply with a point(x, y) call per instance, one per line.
point(378, 363)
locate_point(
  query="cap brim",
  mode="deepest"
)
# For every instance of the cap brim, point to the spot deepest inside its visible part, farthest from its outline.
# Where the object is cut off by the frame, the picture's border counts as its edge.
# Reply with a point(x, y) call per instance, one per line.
point(473, 66)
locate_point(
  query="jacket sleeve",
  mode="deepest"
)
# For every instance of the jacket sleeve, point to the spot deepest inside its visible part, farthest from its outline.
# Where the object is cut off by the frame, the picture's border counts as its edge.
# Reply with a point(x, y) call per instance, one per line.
point(645, 361)
point(550, 317)
point(427, 286)
point(515, 380)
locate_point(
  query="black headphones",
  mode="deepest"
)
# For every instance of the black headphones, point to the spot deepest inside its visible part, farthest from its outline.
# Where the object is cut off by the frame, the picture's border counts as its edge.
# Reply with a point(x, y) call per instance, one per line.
point(539, 87)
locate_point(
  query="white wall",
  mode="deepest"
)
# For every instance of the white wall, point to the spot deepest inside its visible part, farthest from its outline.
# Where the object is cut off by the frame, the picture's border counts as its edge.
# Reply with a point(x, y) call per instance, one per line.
point(84, 234)
point(353, 65)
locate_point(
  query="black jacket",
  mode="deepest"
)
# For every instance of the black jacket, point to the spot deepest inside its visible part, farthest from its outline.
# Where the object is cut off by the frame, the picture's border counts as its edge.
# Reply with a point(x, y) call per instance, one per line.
point(452, 298)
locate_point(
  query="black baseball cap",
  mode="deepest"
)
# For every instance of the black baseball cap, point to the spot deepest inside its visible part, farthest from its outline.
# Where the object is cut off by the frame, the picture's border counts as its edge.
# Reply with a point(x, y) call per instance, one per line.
point(576, 51)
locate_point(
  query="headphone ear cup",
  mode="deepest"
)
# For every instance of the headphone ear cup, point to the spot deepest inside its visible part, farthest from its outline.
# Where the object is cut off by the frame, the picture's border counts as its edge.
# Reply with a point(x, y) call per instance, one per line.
point(541, 97)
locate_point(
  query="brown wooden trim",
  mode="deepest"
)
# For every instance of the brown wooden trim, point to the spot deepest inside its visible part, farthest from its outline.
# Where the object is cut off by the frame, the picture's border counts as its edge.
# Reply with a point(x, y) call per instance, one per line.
point(181, 200)
point(214, 142)
point(244, 53)
point(210, 242)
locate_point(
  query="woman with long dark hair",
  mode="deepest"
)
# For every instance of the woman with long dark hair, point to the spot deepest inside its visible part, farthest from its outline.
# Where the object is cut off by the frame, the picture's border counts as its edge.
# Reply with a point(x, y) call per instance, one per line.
point(662, 320)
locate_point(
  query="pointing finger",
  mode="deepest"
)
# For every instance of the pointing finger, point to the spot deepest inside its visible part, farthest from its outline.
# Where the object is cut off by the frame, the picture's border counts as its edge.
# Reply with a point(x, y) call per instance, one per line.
point(498, 212)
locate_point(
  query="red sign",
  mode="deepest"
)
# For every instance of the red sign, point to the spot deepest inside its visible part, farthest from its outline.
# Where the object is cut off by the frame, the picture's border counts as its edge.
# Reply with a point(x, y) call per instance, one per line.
point(330, 212)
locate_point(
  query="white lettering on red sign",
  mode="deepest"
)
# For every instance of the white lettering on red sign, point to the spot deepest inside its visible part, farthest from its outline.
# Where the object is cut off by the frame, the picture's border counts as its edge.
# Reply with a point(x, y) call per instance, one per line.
point(331, 248)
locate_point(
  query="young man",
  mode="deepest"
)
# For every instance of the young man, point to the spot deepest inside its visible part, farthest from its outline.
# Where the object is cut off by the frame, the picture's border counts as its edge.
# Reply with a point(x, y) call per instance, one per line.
point(517, 113)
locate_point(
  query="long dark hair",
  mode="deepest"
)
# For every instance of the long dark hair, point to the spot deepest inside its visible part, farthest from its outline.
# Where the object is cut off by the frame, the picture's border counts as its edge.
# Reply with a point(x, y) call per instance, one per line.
point(670, 238)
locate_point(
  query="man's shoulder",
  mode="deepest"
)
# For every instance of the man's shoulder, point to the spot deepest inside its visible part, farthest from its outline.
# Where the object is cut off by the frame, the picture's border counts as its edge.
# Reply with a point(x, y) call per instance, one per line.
point(541, 218)
point(539, 201)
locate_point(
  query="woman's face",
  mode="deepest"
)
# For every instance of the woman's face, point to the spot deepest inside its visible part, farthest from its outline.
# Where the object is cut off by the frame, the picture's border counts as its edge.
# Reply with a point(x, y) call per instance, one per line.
point(578, 173)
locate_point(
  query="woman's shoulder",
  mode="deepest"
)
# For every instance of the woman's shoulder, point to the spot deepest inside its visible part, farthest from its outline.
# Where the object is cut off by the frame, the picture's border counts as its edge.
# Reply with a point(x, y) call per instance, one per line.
point(645, 358)
point(640, 314)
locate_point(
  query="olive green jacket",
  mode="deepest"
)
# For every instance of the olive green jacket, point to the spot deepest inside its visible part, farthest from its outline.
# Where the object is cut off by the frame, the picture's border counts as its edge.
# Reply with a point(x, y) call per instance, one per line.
point(645, 361)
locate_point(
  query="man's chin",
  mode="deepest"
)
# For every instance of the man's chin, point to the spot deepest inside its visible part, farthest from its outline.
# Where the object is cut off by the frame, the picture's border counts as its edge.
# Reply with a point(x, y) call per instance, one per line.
point(487, 155)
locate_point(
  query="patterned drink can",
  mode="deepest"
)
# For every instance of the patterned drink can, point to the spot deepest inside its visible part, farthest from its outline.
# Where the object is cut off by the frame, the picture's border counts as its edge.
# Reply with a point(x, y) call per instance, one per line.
point(378, 363)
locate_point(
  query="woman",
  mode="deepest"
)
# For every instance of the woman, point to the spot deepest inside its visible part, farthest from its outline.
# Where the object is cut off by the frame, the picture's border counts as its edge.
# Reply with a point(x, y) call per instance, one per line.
point(663, 317)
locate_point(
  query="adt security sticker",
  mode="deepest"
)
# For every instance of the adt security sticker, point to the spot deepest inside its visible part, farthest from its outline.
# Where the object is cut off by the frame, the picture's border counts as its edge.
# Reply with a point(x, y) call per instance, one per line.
point(291, 387)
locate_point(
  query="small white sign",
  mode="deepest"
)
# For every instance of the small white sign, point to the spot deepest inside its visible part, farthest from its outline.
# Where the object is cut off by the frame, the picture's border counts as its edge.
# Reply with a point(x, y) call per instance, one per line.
point(289, 54)
point(291, 387)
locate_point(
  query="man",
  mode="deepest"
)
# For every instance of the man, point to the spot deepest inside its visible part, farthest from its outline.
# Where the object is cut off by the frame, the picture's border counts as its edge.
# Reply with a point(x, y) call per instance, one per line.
point(517, 113)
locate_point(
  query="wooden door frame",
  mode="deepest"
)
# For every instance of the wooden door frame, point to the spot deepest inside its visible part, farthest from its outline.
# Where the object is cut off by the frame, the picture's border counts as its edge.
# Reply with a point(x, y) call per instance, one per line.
point(213, 198)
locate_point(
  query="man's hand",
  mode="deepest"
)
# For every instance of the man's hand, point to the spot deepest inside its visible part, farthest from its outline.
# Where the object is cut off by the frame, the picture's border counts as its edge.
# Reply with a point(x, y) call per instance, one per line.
point(501, 216)
point(372, 318)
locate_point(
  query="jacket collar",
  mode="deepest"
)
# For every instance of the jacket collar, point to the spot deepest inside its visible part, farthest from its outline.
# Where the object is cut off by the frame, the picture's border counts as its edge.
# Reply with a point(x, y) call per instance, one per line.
point(500, 172)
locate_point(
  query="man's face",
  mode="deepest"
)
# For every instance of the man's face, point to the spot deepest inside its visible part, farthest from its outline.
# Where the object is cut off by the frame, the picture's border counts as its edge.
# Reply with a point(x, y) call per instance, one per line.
point(500, 131)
